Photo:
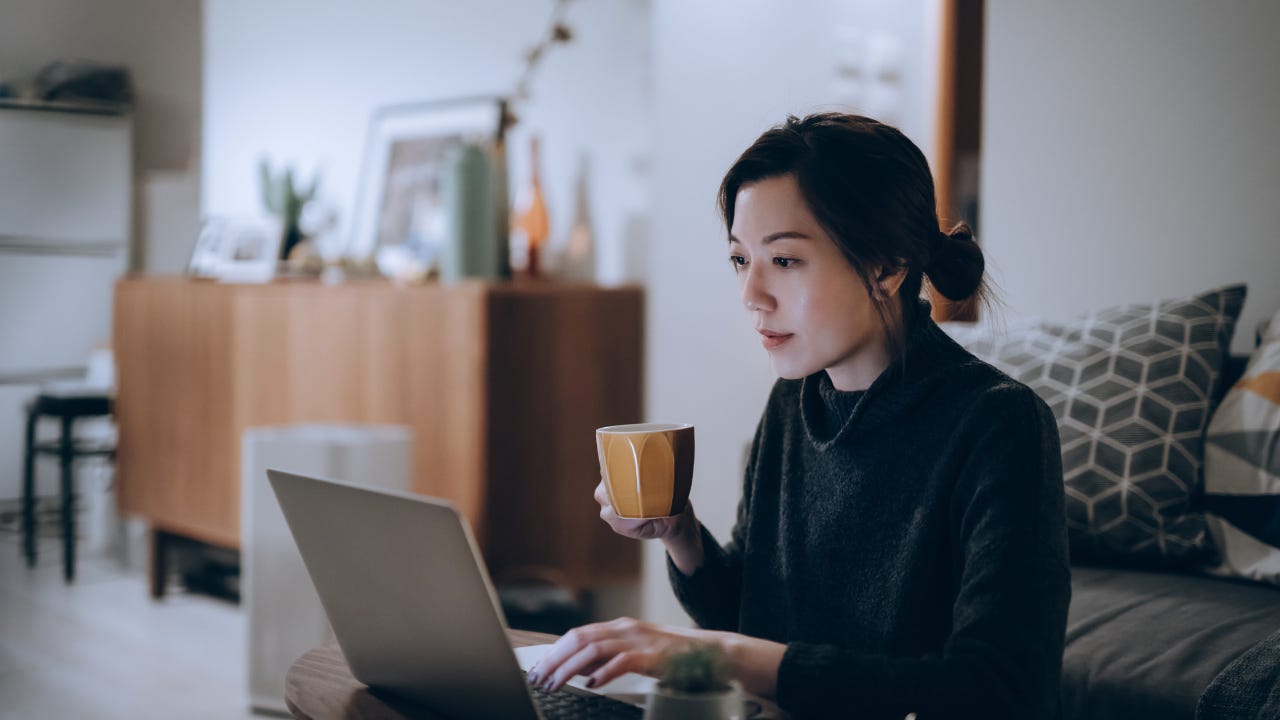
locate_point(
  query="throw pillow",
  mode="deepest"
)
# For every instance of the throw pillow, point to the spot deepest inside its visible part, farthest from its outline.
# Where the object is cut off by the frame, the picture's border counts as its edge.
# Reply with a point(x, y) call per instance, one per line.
point(1131, 388)
point(1242, 467)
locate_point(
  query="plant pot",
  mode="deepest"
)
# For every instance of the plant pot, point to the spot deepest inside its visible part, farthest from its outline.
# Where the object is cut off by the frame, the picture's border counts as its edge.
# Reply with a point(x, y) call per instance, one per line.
point(292, 236)
point(666, 704)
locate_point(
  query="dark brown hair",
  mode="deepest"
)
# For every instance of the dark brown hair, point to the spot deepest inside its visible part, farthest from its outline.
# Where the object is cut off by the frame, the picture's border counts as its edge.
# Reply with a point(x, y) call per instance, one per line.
point(871, 190)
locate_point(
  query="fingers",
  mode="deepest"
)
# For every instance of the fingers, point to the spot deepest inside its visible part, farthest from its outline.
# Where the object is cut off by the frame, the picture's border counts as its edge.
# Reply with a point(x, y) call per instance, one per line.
point(606, 650)
point(620, 525)
point(637, 528)
point(586, 660)
point(644, 662)
point(569, 644)
point(583, 649)
point(606, 507)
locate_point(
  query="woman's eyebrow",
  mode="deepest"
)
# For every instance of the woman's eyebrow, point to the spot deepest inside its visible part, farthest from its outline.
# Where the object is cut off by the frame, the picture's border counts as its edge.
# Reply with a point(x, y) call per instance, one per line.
point(785, 234)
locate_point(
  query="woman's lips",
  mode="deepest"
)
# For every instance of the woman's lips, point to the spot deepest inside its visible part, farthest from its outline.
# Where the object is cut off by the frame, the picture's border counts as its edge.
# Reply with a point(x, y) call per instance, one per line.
point(773, 341)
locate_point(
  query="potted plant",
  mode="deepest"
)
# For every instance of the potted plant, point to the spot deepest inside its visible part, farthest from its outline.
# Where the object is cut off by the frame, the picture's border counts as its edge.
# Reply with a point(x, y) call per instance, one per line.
point(695, 685)
point(285, 199)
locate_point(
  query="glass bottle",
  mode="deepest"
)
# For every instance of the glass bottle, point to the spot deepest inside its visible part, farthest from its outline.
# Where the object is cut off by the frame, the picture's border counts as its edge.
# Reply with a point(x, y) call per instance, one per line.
point(533, 221)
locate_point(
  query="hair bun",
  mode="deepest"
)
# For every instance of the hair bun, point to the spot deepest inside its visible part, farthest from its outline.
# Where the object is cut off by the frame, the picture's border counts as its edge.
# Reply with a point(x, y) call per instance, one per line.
point(956, 264)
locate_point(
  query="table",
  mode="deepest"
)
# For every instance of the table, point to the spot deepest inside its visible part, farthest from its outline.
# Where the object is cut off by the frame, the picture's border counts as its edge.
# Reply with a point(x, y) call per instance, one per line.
point(319, 686)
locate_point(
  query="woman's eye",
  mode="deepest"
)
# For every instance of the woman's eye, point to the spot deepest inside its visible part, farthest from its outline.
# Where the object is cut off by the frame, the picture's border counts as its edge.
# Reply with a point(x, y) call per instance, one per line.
point(784, 262)
point(737, 261)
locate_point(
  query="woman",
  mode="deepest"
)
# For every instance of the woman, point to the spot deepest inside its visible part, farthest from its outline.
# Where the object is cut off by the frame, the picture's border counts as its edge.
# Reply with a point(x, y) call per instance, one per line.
point(900, 544)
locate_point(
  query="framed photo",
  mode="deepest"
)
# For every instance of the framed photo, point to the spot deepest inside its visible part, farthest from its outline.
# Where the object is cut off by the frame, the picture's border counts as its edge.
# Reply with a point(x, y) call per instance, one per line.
point(237, 249)
point(399, 201)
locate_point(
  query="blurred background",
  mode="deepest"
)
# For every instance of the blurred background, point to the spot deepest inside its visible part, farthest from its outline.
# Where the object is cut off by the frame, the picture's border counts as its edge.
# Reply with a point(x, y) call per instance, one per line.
point(1105, 152)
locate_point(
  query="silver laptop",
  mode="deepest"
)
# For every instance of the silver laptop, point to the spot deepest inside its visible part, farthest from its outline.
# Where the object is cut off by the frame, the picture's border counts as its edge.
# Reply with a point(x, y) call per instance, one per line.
point(411, 603)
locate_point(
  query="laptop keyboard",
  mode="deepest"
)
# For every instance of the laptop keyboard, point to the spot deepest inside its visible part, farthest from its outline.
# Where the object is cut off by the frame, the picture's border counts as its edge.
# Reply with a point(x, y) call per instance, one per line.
point(570, 703)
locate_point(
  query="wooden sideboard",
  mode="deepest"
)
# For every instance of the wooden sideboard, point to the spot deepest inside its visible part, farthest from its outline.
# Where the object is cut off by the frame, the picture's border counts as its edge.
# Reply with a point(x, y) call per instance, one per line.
point(502, 385)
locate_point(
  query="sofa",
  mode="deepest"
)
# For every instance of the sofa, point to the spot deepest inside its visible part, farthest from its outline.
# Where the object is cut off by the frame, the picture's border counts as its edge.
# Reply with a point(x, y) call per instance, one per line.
point(1171, 644)
point(1161, 624)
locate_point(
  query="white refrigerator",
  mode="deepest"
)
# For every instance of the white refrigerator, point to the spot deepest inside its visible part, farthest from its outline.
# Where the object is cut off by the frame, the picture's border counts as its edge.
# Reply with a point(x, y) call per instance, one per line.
point(66, 190)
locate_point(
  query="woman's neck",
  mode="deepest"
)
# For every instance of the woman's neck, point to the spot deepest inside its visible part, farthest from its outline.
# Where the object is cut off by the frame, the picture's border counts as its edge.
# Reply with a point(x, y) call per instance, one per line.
point(859, 370)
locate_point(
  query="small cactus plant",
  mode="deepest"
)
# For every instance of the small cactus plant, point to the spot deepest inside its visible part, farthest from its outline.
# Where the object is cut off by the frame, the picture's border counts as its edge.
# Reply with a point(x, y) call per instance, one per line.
point(285, 199)
point(701, 668)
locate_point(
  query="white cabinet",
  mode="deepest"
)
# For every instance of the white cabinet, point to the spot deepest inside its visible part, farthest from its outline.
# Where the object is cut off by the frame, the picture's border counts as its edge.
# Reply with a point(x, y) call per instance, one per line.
point(65, 180)
point(66, 188)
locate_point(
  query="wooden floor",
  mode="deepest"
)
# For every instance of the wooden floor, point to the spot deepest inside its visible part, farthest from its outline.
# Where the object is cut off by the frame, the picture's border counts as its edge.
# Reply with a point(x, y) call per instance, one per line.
point(101, 648)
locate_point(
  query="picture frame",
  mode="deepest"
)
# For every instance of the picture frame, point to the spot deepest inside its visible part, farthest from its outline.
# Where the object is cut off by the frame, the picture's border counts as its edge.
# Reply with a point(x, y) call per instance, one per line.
point(399, 200)
point(237, 248)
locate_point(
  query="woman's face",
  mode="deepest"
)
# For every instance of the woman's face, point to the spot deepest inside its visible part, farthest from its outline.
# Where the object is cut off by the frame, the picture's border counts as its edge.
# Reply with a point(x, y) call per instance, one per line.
point(809, 305)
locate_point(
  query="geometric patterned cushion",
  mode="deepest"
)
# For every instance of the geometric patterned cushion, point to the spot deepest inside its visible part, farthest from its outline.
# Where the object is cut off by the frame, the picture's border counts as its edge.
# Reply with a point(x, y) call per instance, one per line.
point(1242, 467)
point(1131, 389)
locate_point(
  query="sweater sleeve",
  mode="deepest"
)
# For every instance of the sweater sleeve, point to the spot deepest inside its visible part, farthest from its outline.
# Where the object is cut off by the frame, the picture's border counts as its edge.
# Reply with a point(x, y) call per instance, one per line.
point(1003, 657)
point(713, 593)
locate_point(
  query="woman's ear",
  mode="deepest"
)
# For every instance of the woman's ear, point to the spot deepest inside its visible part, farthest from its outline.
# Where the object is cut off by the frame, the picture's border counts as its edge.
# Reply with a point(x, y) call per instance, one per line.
point(889, 280)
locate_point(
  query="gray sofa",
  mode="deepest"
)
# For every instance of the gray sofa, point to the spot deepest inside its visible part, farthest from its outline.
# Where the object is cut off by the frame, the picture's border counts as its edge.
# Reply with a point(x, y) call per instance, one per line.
point(1167, 645)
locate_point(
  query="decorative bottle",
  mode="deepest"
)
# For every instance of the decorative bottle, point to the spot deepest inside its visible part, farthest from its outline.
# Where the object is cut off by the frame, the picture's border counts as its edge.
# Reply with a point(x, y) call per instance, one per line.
point(471, 242)
point(534, 219)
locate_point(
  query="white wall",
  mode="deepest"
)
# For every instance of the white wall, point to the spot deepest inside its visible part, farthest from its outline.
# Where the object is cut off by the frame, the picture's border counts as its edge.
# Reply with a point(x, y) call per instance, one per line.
point(1130, 152)
point(159, 40)
point(723, 73)
point(297, 81)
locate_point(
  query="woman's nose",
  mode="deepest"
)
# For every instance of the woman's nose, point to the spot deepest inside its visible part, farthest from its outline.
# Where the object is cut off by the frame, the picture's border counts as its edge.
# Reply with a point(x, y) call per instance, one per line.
point(755, 297)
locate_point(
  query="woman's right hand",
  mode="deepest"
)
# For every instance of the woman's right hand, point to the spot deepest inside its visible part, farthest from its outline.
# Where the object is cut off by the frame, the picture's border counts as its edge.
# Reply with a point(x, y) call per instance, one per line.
point(680, 533)
point(665, 528)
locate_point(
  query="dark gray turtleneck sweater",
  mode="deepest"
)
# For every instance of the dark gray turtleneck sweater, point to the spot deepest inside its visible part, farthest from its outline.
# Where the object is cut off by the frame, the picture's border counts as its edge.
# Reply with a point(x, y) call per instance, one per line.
point(907, 543)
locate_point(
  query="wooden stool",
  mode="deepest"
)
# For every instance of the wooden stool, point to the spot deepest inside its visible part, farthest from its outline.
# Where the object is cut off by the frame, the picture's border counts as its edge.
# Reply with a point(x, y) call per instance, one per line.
point(68, 404)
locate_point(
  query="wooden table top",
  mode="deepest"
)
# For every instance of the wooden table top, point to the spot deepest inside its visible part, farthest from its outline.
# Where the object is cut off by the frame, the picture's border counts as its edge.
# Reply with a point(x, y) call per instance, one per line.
point(319, 686)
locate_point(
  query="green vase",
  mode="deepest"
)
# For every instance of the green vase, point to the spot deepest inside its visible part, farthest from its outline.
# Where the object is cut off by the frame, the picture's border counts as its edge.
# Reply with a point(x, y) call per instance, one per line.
point(471, 248)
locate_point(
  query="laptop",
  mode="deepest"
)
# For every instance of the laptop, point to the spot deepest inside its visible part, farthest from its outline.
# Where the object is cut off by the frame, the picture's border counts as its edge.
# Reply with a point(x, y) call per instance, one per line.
point(411, 603)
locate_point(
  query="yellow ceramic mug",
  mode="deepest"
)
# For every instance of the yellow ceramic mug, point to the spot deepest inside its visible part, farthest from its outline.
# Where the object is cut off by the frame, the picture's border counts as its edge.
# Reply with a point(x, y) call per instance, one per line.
point(647, 468)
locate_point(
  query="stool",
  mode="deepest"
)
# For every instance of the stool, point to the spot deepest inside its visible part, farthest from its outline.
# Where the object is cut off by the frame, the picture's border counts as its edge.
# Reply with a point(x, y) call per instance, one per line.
point(68, 404)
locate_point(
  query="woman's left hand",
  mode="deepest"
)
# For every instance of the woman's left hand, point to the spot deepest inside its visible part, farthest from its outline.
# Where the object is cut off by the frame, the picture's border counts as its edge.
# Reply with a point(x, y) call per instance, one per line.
point(606, 650)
